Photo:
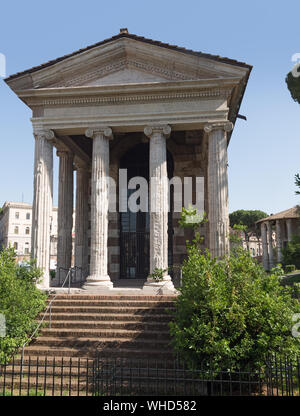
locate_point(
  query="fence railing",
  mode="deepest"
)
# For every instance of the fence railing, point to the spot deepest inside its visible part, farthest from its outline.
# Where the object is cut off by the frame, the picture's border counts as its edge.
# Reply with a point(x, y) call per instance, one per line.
point(47, 311)
point(77, 277)
point(51, 376)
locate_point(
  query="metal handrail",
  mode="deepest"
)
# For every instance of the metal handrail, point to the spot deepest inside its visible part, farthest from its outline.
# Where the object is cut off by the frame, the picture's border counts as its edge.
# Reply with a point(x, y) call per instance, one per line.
point(49, 308)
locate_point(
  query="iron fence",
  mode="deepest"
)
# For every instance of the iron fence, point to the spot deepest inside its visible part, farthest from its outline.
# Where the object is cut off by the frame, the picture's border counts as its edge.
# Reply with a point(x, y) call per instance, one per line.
point(77, 278)
point(50, 376)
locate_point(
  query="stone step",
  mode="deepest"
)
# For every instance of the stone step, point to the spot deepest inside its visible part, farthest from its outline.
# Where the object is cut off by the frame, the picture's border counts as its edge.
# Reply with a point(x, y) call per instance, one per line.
point(51, 385)
point(106, 317)
point(103, 334)
point(84, 363)
point(116, 324)
point(125, 385)
point(115, 309)
point(89, 353)
point(111, 303)
point(50, 360)
point(100, 344)
point(156, 298)
point(58, 369)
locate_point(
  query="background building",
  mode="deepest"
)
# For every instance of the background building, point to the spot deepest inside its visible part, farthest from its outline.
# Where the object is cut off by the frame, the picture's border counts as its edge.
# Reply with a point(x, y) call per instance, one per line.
point(16, 226)
point(284, 225)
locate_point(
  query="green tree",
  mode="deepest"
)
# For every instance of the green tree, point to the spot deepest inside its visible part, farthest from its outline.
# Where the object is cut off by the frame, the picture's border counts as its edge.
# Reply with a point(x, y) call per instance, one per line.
point(291, 253)
point(231, 313)
point(20, 301)
point(246, 218)
point(293, 84)
point(297, 183)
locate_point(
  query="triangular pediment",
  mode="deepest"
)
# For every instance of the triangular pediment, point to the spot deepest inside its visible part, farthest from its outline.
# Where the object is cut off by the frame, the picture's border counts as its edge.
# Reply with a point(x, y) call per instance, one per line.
point(125, 76)
point(125, 60)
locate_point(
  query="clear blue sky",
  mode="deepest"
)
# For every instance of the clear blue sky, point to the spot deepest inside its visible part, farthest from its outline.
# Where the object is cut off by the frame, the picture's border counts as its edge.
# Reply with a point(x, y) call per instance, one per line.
point(264, 153)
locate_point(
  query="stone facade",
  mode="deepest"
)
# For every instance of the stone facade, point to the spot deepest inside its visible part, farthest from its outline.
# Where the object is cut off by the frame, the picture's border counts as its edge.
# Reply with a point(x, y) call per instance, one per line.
point(95, 105)
point(16, 226)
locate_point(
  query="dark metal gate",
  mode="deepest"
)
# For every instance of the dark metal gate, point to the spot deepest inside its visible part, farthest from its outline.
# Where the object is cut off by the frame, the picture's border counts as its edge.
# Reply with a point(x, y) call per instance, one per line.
point(134, 226)
point(134, 254)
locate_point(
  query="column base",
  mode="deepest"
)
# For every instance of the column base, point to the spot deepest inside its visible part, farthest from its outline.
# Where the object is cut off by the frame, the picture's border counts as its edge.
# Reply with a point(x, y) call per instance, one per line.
point(162, 287)
point(96, 283)
point(44, 282)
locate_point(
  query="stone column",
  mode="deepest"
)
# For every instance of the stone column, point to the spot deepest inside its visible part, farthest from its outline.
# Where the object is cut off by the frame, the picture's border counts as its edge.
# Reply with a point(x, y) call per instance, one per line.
point(265, 255)
point(65, 211)
point(278, 241)
point(81, 219)
point(99, 278)
point(289, 229)
point(158, 205)
point(218, 218)
point(270, 241)
point(42, 202)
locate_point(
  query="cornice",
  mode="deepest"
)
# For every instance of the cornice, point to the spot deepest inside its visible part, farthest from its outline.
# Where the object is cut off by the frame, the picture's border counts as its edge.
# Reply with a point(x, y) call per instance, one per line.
point(62, 98)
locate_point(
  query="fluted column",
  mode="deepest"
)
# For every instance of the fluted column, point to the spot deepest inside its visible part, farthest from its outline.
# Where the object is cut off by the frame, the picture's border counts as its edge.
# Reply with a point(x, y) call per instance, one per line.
point(42, 201)
point(264, 245)
point(278, 241)
point(99, 278)
point(218, 218)
point(81, 220)
point(289, 229)
point(65, 210)
point(270, 244)
point(158, 207)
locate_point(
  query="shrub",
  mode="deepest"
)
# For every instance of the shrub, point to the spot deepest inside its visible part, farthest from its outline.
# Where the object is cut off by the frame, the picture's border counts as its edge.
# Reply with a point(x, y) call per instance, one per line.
point(231, 313)
point(291, 254)
point(290, 268)
point(20, 301)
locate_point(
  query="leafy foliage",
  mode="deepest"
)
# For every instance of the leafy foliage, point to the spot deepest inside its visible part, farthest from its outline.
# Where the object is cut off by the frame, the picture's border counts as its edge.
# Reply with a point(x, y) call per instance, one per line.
point(191, 219)
point(20, 301)
point(297, 183)
point(247, 218)
point(293, 84)
point(290, 268)
point(230, 312)
point(291, 254)
point(158, 274)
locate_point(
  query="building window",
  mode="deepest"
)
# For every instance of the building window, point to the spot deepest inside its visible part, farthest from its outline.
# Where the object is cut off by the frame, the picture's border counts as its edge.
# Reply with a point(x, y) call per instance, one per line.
point(26, 250)
point(27, 230)
point(28, 216)
point(16, 229)
point(17, 215)
point(16, 246)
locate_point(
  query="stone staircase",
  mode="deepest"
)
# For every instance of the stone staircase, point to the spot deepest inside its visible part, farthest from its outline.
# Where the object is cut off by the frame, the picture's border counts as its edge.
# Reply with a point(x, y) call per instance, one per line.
point(87, 327)
point(106, 327)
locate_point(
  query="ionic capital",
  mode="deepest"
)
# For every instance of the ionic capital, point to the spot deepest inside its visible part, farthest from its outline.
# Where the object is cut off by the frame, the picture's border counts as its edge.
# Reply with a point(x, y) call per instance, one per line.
point(163, 129)
point(104, 131)
point(219, 125)
point(81, 166)
point(44, 134)
point(64, 153)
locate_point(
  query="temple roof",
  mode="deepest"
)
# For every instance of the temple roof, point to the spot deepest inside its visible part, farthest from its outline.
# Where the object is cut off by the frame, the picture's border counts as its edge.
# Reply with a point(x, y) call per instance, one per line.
point(124, 34)
point(288, 213)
